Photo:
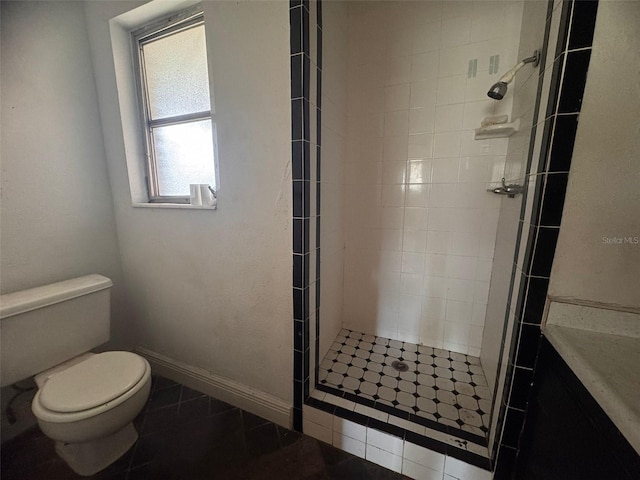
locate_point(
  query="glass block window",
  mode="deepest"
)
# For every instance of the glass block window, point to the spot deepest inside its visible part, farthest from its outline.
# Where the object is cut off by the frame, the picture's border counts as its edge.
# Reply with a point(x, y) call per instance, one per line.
point(176, 106)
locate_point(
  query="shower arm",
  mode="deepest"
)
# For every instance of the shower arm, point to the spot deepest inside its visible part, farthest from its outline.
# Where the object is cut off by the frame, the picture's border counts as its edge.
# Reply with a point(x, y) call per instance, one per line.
point(508, 77)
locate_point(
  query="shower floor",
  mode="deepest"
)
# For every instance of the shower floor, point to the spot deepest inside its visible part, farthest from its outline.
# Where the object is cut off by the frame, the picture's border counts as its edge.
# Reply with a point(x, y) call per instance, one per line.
point(440, 386)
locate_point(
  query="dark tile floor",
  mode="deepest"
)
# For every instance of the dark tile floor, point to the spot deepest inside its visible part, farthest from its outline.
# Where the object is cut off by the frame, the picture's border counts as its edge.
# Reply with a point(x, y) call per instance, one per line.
point(185, 435)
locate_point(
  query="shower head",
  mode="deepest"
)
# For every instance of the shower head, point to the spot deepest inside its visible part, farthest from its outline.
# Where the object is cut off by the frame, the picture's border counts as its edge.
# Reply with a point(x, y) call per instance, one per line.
point(499, 89)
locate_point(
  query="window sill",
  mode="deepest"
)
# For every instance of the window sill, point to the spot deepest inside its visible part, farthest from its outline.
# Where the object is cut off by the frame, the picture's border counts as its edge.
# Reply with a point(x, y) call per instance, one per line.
point(184, 206)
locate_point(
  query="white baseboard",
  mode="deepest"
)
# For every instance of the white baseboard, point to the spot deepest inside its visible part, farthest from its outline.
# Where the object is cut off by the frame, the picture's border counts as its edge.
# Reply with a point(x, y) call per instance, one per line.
point(230, 391)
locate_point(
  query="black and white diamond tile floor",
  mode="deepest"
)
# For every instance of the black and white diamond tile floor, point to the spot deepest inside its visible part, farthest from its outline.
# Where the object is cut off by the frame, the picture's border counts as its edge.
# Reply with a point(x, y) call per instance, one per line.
point(445, 387)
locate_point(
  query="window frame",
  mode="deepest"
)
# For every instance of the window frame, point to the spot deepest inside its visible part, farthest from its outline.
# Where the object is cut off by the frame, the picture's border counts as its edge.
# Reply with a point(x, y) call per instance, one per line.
point(164, 27)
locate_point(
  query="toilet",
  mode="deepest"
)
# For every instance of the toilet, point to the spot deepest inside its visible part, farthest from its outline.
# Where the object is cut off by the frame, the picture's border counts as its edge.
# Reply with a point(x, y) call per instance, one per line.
point(86, 401)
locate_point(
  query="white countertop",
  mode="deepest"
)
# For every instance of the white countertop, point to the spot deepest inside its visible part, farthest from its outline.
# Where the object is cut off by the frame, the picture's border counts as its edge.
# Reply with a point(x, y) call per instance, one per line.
point(607, 364)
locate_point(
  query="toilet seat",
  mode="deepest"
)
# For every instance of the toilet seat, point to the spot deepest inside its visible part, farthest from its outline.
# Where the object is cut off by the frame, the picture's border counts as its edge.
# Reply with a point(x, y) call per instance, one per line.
point(91, 387)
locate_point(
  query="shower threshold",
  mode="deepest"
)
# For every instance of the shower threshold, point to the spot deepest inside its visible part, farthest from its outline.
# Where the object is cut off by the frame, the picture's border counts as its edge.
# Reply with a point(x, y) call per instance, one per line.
point(442, 395)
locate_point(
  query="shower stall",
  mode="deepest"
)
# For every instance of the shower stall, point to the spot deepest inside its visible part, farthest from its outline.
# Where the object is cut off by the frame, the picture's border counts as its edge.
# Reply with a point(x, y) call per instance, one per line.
point(416, 237)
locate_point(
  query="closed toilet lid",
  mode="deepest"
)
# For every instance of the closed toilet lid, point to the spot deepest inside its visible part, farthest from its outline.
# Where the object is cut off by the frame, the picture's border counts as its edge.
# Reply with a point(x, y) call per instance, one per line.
point(93, 382)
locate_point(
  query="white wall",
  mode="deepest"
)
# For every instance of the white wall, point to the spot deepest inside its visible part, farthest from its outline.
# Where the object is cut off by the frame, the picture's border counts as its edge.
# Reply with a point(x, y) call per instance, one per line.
point(420, 227)
point(603, 195)
point(212, 289)
point(57, 215)
point(334, 132)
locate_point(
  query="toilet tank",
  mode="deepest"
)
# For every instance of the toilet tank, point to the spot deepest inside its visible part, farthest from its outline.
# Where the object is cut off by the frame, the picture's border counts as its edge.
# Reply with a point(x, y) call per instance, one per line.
point(44, 326)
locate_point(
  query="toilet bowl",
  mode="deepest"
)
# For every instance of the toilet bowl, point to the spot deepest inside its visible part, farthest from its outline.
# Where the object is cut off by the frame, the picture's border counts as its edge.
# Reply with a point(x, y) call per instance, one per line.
point(86, 402)
point(87, 405)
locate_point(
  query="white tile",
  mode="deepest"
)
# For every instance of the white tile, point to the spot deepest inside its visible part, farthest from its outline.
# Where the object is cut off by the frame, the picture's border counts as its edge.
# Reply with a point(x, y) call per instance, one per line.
point(453, 61)
point(448, 117)
point(392, 195)
point(396, 123)
point(455, 31)
point(407, 425)
point(316, 431)
point(410, 305)
point(400, 40)
point(417, 195)
point(475, 169)
point(372, 100)
point(464, 244)
point(339, 401)
point(460, 289)
point(391, 217)
point(423, 456)
point(436, 265)
point(371, 412)
point(349, 429)
point(462, 470)
point(385, 441)
point(456, 334)
point(423, 93)
point(462, 267)
point(452, 90)
point(318, 417)
point(475, 336)
point(414, 241)
point(427, 38)
point(384, 458)
point(443, 195)
point(413, 263)
point(446, 144)
point(419, 171)
point(419, 472)
point(411, 283)
point(479, 314)
point(440, 221)
point(444, 170)
point(420, 146)
point(434, 309)
point(399, 70)
point(481, 294)
point(394, 149)
point(396, 97)
point(435, 287)
point(373, 125)
point(318, 394)
point(424, 66)
point(438, 242)
point(415, 218)
point(394, 172)
point(349, 445)
point(459, 312)
point(391, 239)
point(422, 120)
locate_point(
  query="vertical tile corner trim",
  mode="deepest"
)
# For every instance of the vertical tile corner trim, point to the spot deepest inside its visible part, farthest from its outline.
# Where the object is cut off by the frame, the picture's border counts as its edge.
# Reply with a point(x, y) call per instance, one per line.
point(304, 104)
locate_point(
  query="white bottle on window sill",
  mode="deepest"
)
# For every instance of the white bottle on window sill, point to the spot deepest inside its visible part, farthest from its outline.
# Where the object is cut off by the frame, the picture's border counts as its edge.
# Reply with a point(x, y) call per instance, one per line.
point(195, 194)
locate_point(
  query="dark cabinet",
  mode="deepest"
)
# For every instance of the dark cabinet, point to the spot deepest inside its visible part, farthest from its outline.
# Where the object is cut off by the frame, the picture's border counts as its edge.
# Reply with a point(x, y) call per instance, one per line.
point(566, 434)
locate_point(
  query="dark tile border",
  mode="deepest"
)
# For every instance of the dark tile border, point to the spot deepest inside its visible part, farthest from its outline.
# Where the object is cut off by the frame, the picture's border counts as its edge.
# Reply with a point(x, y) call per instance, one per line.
point(304, 170)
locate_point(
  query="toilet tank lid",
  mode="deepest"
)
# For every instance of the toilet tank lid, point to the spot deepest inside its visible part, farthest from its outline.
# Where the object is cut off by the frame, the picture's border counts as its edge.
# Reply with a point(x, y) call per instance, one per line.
point(26, 300)
point(94, 382)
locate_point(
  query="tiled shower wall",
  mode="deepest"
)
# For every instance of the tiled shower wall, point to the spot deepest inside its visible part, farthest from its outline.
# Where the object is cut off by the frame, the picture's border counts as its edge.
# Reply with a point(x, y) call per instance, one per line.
point(419, 226)
point(524, 89)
